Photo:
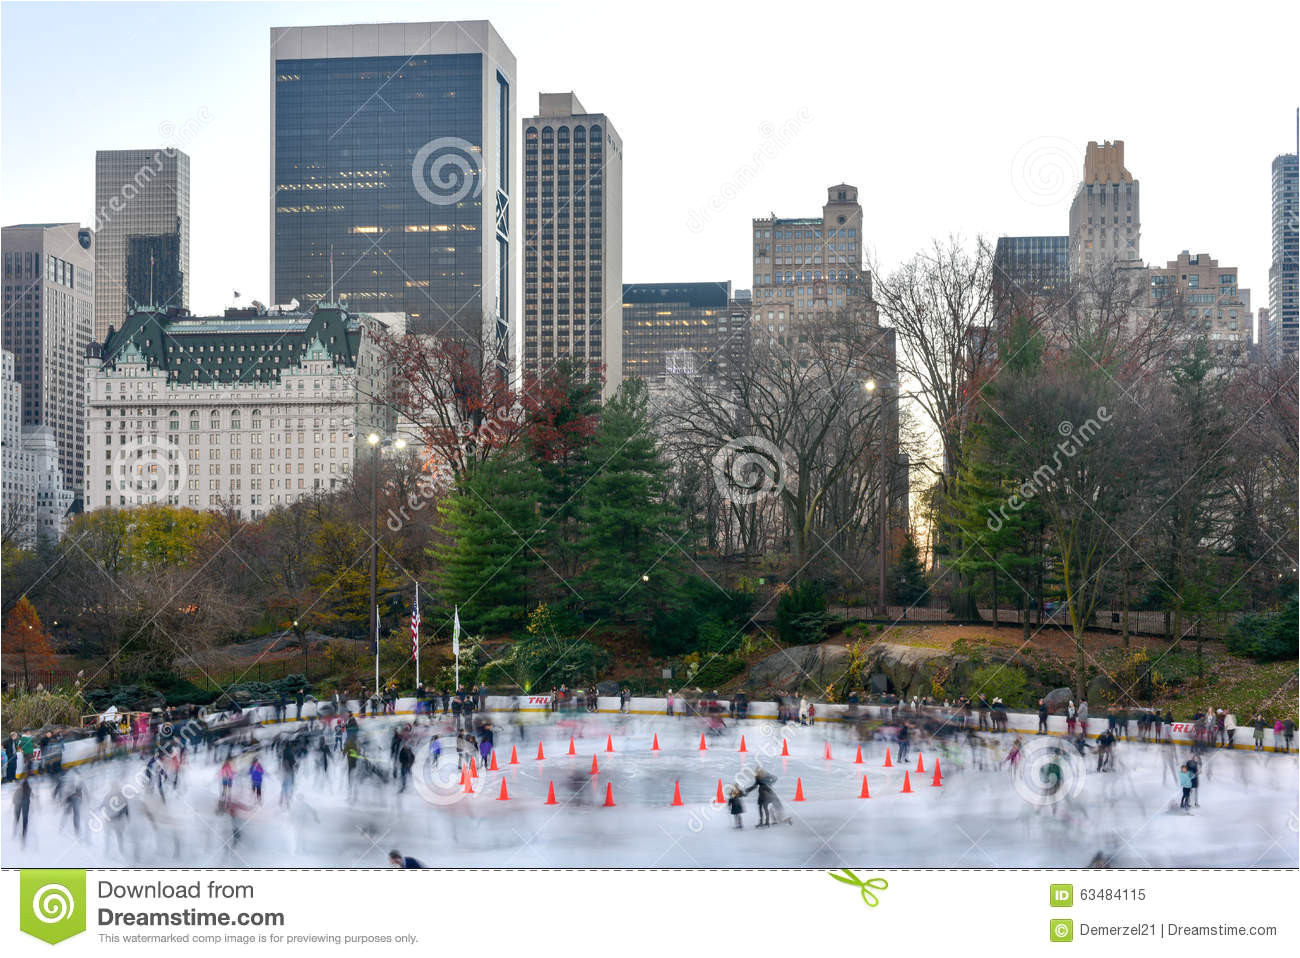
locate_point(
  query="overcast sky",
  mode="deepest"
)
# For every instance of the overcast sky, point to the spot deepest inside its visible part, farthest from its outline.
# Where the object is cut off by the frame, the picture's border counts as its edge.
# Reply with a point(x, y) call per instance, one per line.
point(970, 119)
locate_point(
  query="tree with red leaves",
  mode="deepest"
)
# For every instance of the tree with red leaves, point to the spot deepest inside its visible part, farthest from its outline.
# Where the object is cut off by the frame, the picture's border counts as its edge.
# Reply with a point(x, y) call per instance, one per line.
point(456, 393)
point(25, 637)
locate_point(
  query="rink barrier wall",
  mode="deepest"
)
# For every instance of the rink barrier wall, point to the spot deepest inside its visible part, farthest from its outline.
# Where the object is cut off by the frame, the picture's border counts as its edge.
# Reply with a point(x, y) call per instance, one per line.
point(82, 751)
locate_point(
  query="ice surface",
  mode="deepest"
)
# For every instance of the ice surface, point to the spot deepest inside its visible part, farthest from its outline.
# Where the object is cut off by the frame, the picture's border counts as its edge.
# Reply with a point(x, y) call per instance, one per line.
point(980, 817)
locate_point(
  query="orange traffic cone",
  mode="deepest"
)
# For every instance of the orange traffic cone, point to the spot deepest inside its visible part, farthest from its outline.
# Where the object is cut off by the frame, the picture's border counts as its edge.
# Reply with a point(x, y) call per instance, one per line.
point(907, 783)
point(469, 785)
point(828, 751)
point(719, 799)
point(550, 794)
point(473, 768)
point(677, 793)
point(595, 769)
point(505, 794)
point(493, 766)
point(798, 790)
point(858, 759)
point(609, 795)
point(572, 751)
point(742, 745)
point(514, 756)
point(540, 754)
point(464, 776)
point(703, 747)
point(889, 763)
point(655, 747)
point(865, 793)
point(920, 763)
point(785, 749)
point(609, 743)
point(938, 779)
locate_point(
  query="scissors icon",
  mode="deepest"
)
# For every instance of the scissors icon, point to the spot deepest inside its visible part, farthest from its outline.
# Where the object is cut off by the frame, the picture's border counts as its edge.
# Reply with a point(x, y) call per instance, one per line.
point(865, 886)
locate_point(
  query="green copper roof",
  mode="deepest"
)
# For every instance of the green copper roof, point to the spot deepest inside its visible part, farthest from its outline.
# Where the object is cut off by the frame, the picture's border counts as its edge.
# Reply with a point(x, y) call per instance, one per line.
point(252, 349)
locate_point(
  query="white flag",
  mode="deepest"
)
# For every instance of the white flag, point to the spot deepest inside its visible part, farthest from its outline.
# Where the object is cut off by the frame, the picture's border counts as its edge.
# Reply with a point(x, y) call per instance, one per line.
point(455, 633)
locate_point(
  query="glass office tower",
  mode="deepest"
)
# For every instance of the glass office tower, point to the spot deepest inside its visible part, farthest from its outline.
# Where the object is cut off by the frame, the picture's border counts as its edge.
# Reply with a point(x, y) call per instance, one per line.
point(391, 152)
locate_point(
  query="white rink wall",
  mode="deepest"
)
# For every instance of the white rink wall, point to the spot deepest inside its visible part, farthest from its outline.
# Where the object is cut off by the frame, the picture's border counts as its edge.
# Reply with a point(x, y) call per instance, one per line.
point(78, 752)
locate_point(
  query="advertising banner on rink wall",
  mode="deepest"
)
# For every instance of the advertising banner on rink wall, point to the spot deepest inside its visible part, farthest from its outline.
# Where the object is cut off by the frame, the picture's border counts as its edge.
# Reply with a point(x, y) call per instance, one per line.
point(808, 911)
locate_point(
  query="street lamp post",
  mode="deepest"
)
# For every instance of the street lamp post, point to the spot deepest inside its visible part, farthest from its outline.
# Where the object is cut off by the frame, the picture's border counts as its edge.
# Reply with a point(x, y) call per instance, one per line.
point(376, 441)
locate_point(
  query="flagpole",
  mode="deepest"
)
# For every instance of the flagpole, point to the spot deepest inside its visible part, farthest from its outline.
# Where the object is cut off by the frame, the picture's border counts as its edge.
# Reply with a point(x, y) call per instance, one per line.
point(455, 645)
point(416, 630)
point(376, 650)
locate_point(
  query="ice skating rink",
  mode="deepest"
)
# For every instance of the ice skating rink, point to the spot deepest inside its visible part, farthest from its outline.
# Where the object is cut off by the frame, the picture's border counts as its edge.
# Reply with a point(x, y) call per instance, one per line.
point(1051, 810)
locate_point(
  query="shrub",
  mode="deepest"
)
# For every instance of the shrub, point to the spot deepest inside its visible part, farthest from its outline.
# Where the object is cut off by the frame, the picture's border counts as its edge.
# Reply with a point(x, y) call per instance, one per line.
point(543, 657)
point(719, 637)
point(717, 670)
point(697, 618)
point(1000, 681)
point(1266, 638)
point(126, 697)
point(801, 617)
point(23, 710)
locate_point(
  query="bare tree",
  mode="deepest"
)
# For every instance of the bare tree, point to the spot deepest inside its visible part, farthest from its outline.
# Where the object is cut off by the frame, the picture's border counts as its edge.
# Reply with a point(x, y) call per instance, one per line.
point(795, 422)
point(940, 302)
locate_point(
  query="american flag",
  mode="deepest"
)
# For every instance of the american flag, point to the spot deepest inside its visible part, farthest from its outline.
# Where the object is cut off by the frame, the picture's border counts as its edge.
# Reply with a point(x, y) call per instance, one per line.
point(415, 625)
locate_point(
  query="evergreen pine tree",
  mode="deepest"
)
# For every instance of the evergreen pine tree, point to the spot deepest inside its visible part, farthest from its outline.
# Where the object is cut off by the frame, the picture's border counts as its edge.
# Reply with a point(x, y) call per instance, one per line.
point(628, 530)
point(1002, 542)
point(490, 526)
point(908, 575)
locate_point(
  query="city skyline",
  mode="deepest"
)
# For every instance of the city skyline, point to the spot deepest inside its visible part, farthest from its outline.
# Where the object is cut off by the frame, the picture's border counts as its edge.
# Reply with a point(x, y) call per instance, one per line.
point(773, 137)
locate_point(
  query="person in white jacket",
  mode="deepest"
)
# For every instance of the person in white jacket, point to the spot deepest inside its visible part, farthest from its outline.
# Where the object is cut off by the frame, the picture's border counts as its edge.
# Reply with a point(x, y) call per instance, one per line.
point(803, 711)
point(1230, 727)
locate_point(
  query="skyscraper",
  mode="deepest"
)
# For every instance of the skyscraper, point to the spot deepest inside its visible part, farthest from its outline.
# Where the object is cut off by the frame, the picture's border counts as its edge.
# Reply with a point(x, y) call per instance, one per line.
point(142, 233)
point(1105, 225)
point(49, 318)
point(677, 328)
point(1028, 273)
point(573, 239)
point(17, 479)
point(391, 151)
point(810, 267)
point(1284, 271)
point(1209, 296)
